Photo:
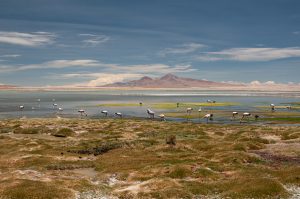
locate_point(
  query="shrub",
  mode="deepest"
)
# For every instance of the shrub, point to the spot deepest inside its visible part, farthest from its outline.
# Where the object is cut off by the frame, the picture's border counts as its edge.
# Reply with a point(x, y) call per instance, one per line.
point(65, 132)
point(180, 172)
point(20, 130)
point(171, 140)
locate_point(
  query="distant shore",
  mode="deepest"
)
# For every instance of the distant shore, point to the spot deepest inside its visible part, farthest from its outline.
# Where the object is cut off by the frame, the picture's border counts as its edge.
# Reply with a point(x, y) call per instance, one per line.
point(245, 88)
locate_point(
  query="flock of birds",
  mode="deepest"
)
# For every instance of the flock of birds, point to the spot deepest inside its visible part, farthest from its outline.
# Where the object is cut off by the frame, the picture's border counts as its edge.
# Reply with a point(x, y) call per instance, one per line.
point(151, 114)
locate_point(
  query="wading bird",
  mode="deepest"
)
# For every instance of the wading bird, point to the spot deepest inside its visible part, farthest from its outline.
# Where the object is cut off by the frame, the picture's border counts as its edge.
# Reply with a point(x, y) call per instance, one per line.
point(162, 117)
point(39, 102)
point(272, 107)
point(21, 108)
point(82, 112)
point(289, 107)
point(104, 112)
point(119, 114)
point(234, 114)
point(245, 115)
point(199, 111)
point(54, 106)
point(188, 112)
point(150, 113)
point(208, 116)
point(60, 109)
point(210, 101)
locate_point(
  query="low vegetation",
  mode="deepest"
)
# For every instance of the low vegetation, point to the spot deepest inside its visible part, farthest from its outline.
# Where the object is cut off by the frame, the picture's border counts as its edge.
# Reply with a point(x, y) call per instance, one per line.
point(131, 158)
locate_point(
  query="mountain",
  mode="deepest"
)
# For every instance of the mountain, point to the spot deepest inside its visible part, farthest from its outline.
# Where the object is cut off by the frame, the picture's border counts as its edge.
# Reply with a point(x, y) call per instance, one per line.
point(3, 86)
point(169, 81)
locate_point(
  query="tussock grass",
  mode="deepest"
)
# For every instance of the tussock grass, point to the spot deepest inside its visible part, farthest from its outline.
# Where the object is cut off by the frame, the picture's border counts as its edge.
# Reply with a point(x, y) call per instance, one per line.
point(208, 159)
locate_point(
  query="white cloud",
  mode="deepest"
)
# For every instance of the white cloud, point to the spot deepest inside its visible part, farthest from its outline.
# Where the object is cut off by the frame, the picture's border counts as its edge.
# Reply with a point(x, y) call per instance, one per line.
point(258, 83)
point(111, 68)
point(183, 49)
point(10, 56)
point(251, 54)
point(55, 64)
point(94, 40)
point(105, 78)
point(296, 32)
point(27, 39)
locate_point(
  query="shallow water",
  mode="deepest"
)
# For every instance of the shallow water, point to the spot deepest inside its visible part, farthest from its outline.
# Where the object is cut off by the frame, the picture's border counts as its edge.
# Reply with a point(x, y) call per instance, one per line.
point(72, 101)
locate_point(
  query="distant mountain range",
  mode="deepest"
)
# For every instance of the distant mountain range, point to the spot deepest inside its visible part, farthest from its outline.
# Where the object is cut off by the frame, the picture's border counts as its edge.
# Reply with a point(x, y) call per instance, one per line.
point(170, 81)
point(3, 86)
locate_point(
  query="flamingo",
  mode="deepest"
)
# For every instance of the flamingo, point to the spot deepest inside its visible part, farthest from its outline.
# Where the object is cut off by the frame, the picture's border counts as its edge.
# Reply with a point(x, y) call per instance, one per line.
point(162, 117)
point(82, 112)
point(39, 102)
point(272, 107)
point(234, 114)
point(245, 115)
point(188, 112)
point(105, 112)
point(208, 116)
point(119, 114)
point(150, 113)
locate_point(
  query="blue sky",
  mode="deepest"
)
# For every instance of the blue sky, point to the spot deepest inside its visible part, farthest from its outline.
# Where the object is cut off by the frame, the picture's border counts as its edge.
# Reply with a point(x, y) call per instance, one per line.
point(93, 42)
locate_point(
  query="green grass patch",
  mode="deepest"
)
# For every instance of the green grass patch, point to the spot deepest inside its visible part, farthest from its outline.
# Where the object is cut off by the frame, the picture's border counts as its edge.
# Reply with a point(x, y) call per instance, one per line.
point(64, 132)
point(168, 105)
point(118, 104)
point(35, 189)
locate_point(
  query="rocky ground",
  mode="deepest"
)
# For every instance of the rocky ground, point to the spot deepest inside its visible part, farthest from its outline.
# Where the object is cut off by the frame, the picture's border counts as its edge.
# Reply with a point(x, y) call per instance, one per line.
point(122, 158)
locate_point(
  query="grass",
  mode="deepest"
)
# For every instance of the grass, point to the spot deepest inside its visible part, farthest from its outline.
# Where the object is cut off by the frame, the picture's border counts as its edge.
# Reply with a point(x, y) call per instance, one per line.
point(284, 119)
point(64, 132)
point(191, 104)
point(34, 189)
point(119, 104)
point(19, 130)
point(207, 160)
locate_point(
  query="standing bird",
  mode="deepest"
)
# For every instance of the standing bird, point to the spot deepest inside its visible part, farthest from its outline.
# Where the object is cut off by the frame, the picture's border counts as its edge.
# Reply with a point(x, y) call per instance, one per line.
point(289, 107)
point(21, 108)
point(39, 102)
point(188, 112)
point(208, 116)
point(54, 106)
point(199, 111)
point(234, 114)
point(210, 101)
point(162, 117)
point(177, 104)
point(119, 114)
point(82, 112)
point(141, 104)
point(60, 109)
point(245, 115)
point(272, 107)
point(150, 113)
point(105, 112)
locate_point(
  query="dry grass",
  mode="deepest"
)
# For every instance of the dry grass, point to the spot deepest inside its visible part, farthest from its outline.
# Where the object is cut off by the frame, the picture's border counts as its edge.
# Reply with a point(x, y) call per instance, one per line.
point(130, 159)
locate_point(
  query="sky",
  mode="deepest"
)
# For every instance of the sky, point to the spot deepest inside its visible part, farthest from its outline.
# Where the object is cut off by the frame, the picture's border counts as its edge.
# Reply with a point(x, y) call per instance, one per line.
point(95, 42)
